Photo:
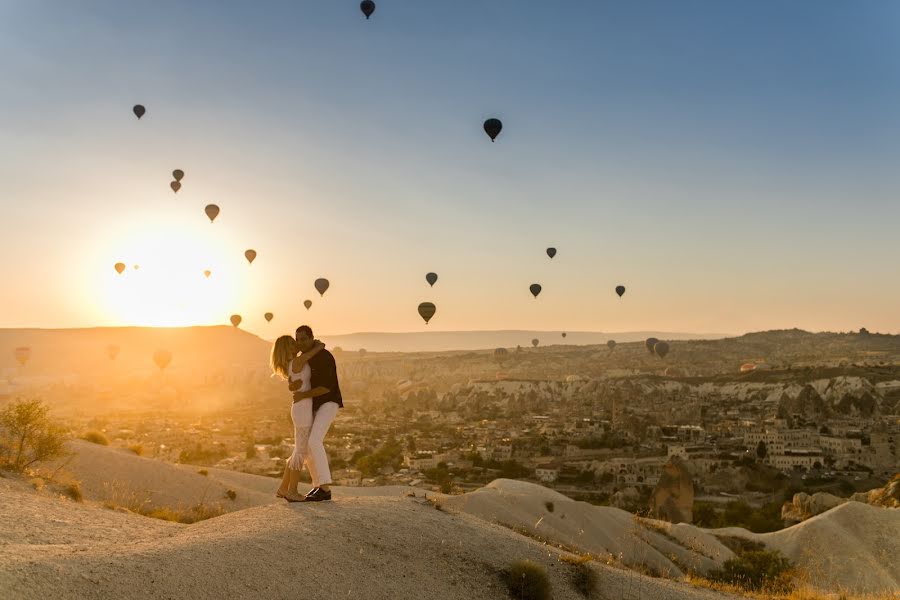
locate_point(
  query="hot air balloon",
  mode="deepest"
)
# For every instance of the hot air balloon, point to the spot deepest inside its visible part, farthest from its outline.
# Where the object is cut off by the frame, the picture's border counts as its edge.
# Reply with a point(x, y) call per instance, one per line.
point(269, 317)
point(307, 304)
point(22, 354)
point(535, 289)
point(492, 127)
point(250, 255)
point(362, 352)
point(661, 349)
point(137, 267)
point(212, 211)
point(178, 174)
point(139, 110)
point(207, 273)
point(175, 186)
point(535, 342)
point(120, 268)
point(162, 358)
point(112, 351)
point(236, 320)
point(426, 311)
point(431, 278)
point(367, 7)
point(322, 286)
point(564, 334)
point(611, 344)
point(650, 342)
point(551, 252)
point(620, 289)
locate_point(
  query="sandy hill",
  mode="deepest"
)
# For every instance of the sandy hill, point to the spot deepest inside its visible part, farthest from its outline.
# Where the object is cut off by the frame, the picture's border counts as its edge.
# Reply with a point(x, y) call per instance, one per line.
point(369, 547)
point(854, 547)
point(395, 539)
point(85, 350)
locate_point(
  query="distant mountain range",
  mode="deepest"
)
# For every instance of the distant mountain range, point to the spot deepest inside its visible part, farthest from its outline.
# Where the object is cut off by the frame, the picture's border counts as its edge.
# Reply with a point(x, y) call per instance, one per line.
point(73, 350)
point(442, 341)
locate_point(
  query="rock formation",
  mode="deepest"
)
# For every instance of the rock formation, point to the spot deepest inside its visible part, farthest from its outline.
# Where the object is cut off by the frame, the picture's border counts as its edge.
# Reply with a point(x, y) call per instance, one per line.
point(673, 498)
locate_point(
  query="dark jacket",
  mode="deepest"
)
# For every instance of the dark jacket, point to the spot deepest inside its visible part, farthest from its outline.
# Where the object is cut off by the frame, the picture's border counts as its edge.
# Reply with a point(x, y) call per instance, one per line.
point(323, 373)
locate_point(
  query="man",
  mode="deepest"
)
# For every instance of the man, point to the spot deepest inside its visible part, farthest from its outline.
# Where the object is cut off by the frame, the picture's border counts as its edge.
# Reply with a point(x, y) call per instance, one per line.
point(326, 396)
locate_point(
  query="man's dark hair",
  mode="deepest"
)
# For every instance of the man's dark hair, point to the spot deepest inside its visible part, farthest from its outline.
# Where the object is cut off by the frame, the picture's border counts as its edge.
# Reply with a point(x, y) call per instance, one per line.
point(305, 328)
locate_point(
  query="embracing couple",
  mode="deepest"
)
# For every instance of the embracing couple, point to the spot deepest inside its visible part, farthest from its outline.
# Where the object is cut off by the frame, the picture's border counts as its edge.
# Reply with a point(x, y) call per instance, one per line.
point(312, 375)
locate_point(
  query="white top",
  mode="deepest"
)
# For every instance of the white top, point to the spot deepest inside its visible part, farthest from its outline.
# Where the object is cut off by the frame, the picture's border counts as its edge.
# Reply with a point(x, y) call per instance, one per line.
point(304, 375)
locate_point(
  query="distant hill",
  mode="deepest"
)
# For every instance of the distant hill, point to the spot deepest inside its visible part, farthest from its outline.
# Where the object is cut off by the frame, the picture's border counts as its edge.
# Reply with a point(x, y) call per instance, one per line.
point(442, 341)
point(85, 350)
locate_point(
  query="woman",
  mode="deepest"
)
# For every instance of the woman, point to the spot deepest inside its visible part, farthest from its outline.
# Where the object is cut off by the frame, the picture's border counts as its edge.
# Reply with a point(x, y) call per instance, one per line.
point(295, 368)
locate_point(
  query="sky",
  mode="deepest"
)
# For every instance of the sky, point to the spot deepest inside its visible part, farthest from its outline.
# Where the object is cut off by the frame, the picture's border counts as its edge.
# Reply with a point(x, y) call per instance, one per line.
point(733, 164)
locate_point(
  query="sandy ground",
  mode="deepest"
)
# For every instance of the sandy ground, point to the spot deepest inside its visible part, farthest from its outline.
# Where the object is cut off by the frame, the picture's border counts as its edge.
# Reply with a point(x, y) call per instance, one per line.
point(379, 542)
point(378, 547)
point(854, 547)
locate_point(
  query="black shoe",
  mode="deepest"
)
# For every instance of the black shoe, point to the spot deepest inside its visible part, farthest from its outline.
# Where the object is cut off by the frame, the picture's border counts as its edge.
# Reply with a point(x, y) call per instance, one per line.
point(311, 492)
point(318, 495)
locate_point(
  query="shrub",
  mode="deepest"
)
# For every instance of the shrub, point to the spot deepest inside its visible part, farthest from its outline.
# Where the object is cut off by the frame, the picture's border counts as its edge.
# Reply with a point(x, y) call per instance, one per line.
point(204, 472)
point(73, 491)
point(95, 437)
point(28, 435)
point(585, 579)
point(549, 506)
point(756, 570)
point(527, 581)
point(137, 449)
point(230, 494)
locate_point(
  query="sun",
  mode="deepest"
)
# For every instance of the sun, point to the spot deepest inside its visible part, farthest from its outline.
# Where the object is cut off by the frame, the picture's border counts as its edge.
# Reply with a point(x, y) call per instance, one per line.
point(164, 282)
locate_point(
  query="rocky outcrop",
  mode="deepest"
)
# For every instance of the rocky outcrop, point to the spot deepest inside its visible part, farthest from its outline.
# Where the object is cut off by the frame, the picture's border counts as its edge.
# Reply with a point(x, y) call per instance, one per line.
point(887, 497)
point(673, 498)
point(803, 506)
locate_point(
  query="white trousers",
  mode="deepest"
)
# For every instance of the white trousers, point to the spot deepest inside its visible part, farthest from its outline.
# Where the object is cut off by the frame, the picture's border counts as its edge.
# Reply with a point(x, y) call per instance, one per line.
point(309, 439)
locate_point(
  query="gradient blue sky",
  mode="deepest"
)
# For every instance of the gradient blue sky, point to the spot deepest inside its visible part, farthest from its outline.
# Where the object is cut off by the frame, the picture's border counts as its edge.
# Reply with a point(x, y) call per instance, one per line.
point(734, 164)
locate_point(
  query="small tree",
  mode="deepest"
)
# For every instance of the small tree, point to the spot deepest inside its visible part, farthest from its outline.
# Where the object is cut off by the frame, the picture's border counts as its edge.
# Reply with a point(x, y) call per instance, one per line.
point(28, 435)
point(761, 450)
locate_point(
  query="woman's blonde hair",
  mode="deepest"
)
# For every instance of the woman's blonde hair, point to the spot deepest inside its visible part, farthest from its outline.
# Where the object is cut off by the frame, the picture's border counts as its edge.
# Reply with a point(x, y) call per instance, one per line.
point(283, 352)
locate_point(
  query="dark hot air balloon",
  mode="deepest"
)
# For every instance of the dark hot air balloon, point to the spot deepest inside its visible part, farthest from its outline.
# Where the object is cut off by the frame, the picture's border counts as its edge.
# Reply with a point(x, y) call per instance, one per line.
point(535, 289)
point(362, 352)
point(162, 358)
point(178, 174)
point(307, 304)
point(22, 354)
point(367, 7)
point(250, 255)
point(620, 290)
point(212, 211)
point(139, 110)
point(269, 317)
point(649, 343)
point(322, 286)
point(426, 311)
point(492, 127)
point(112, 351)
point(120, 268)
point(564, 334)
point(175, 186)
point(431, 278)
point(611, 344)
point(551, 252)
point(661, 349)
point(236, 320)
point(535, 342)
